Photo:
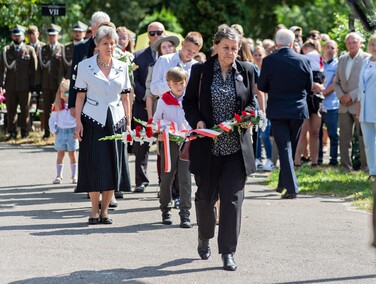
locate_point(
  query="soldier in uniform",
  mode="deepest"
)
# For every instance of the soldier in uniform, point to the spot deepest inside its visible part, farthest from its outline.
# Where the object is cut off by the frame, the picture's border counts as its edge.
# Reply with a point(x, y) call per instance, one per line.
point(33, 36)
point(78, 34)
point(53, 70)
point(18, 64)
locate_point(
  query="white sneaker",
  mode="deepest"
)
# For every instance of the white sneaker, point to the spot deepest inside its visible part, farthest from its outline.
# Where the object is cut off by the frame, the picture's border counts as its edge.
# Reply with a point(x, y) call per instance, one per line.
point(259, 166)
point(269, 166)
point(74, 180)
point(57, 180)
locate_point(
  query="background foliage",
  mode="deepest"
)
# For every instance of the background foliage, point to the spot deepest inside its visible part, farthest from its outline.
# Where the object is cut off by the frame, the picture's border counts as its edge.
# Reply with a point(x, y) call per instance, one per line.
point(258, 17)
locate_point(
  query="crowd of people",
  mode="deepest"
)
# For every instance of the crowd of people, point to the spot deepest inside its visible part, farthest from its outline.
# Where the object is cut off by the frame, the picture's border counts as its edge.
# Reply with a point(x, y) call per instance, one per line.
point(94, 86)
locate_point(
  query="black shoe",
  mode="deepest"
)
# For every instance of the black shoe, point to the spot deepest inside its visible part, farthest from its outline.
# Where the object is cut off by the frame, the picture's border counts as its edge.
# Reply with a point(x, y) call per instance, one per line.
point(185, 222)
point(166, 218)
point(177, 203)
point(203, 249)
point(288, 195)
point(12, 136)
point(93, 221)
point(228, 262)
point(139, 188)
point(25, 136)
point(279, 189)
point(118, 194)
point(46, 136)
point(106, 220)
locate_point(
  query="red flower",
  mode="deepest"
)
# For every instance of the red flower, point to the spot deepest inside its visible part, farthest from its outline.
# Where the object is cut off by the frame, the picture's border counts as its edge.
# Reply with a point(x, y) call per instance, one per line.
point(238, 118)
point(252, 112)
point(149, 131)
point(129, 138)
point(244, 113)
point(150, 121)
point(138, 130)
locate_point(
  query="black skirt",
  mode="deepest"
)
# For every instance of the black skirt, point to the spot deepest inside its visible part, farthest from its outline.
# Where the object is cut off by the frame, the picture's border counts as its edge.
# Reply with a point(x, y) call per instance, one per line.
point(102, 165)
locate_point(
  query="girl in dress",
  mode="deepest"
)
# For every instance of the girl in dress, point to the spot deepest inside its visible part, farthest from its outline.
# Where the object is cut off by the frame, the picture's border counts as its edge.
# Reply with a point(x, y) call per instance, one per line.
point(62, 125)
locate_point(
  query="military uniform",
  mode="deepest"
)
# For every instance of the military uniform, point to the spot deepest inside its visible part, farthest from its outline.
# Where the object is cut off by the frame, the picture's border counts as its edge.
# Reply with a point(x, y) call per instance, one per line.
point(35, 97)
point(52, 72)
point(69, 47)
point(18, 64)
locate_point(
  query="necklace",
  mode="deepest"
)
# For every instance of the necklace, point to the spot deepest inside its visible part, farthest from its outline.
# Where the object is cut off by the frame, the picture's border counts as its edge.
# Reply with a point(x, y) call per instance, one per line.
point(104, 64)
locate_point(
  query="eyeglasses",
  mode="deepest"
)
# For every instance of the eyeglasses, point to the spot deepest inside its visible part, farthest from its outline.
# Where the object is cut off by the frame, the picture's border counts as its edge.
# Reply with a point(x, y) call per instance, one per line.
point(153, 33)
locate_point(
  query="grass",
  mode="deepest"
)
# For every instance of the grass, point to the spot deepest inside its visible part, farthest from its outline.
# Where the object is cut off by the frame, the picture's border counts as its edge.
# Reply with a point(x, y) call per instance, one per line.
point(353, 186)
point(35, 138)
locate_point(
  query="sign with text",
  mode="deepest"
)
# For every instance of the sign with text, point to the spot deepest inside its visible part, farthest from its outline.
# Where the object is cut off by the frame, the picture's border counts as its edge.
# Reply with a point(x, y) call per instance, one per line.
point(53, 10)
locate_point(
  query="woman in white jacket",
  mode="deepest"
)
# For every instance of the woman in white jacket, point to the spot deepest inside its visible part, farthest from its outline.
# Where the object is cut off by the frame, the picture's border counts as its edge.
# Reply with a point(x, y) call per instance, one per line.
point(366, 105)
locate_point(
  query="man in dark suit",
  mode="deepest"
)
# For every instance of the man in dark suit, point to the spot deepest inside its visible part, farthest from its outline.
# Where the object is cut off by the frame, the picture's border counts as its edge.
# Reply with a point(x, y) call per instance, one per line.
point(287, 78)
point(51, 73)
point(143, 59)
point(83, 50)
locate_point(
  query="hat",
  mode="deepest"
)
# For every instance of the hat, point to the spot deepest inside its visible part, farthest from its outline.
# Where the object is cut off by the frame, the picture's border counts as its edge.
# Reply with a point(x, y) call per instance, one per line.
point(162, 39)
point(79, 26)
point(53, 29)
point(32, 29)
point(18, 30)
point(294, 28)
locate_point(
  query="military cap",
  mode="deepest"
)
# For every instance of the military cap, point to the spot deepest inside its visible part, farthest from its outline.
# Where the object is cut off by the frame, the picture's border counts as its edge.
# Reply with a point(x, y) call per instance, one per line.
point(32, 29)
point(18, 30)
point(53, 29)
point(79, 26)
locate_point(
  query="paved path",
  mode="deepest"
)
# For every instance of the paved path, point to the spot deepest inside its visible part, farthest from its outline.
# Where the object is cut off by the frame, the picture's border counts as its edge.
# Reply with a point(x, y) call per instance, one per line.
point(44, 237)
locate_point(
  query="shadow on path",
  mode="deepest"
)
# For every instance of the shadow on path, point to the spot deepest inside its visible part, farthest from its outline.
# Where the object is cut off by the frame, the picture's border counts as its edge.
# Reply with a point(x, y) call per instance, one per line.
point(120, 275)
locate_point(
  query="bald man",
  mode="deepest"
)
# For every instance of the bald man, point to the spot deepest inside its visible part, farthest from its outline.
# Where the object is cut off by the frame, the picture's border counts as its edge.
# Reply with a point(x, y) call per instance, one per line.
point(143, 59)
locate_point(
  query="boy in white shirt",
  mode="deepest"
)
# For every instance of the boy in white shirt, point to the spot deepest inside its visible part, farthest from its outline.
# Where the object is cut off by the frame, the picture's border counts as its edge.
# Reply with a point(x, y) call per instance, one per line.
point(169, 109)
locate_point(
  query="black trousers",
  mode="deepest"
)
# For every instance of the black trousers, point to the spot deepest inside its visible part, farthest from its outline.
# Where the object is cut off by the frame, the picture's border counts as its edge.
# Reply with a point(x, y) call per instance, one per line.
point(226, 180)
point(141, 153)
point(286, 135)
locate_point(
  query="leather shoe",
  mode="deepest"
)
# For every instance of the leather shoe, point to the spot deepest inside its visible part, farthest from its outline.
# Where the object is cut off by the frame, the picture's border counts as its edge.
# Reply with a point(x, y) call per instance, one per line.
point(279, 189)
point(288, 195)
point(228, 262)
point(139, 188)
point(93, 221)
point(203, 249)
point(119, 194)
point(106, 220)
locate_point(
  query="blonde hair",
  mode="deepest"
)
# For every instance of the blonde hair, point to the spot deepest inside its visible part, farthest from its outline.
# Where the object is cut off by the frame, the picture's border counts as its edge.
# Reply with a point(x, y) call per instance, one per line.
point(371, 39)
point(63, 87)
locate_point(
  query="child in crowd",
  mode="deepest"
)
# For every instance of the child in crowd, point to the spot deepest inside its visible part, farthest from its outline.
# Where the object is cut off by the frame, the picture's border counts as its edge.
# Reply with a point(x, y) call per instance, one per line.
point(62, 125)
point(169, 109)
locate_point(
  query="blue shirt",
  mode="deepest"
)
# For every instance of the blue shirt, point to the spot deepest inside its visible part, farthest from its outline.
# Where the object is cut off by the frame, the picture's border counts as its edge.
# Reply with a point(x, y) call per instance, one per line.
point(331, 102)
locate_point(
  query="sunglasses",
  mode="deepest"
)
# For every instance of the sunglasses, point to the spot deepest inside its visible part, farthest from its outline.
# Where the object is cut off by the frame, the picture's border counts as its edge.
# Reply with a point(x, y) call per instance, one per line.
point(153, 33)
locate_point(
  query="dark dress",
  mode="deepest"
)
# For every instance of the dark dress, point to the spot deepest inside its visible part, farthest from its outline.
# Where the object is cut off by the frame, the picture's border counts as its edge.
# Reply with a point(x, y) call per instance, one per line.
point(103, 165)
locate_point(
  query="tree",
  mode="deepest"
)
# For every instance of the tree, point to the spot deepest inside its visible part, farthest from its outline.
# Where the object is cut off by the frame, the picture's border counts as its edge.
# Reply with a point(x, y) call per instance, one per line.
point(313, 15)
point(206, 16)
point(29, 12)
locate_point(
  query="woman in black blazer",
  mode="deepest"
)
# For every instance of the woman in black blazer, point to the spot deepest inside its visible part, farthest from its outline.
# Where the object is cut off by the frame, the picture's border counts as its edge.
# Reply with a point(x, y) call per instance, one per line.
point(216, 90)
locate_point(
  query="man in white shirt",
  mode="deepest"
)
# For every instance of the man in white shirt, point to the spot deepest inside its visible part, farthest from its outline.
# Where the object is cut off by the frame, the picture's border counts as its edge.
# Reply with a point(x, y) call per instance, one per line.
point(182, 58)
